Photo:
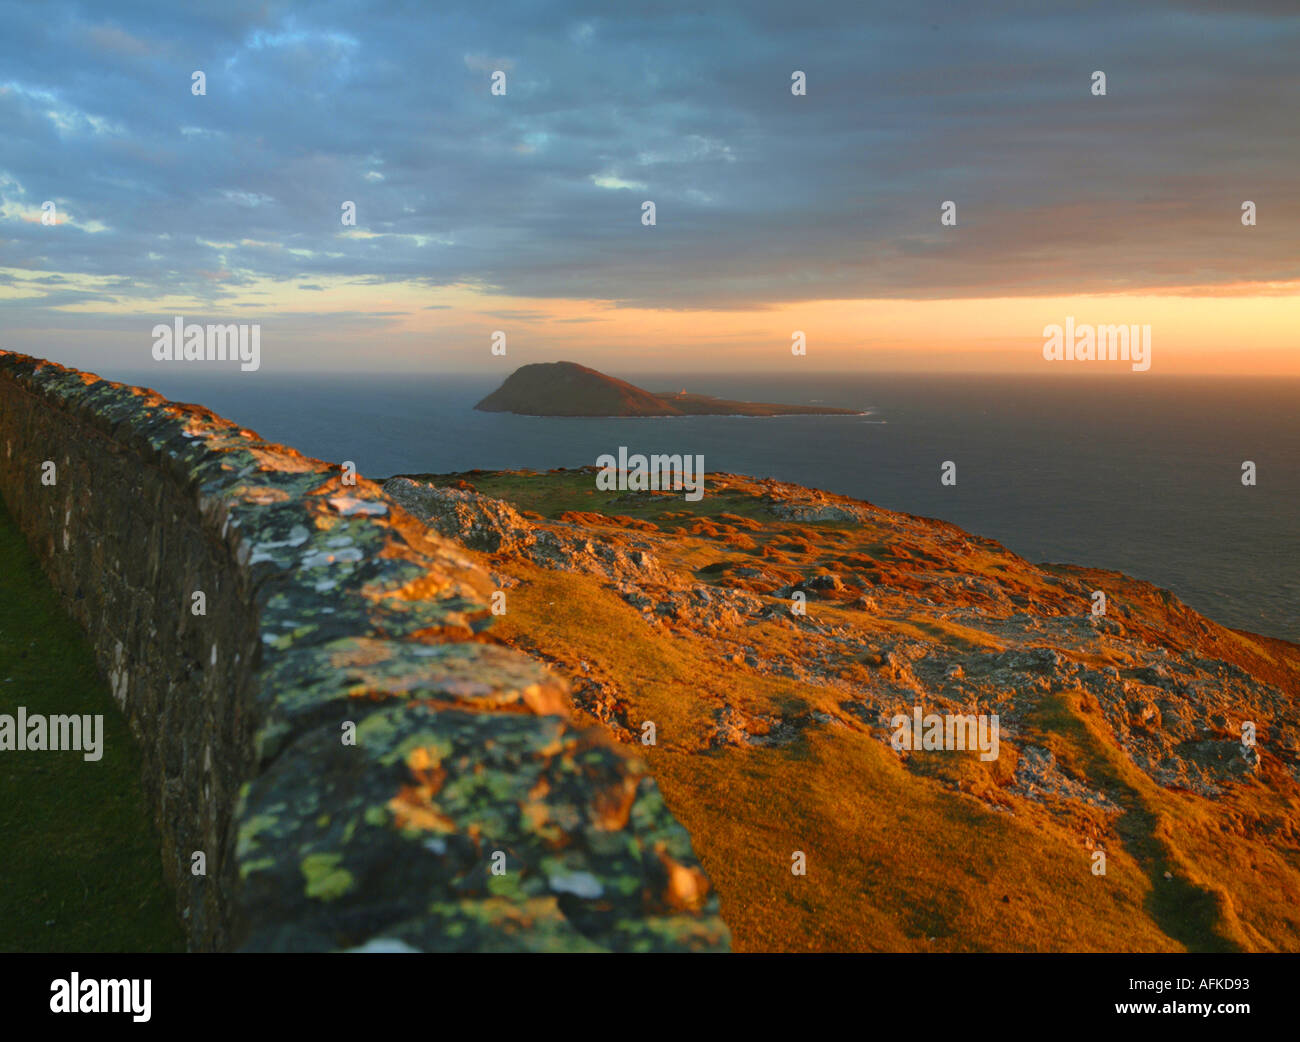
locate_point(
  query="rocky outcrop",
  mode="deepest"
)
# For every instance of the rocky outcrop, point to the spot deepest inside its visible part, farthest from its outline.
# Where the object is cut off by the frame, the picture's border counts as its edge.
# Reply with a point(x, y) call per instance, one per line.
point(321, 713)
point(1177, 716)
point(493, 526)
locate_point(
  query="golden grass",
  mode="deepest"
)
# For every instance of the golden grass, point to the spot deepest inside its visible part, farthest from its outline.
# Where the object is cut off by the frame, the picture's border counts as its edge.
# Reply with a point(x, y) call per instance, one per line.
point(903, 858)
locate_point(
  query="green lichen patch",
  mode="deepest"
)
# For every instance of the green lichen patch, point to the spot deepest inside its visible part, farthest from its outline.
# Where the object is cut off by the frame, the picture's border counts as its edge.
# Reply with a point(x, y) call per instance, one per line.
point(326, 881)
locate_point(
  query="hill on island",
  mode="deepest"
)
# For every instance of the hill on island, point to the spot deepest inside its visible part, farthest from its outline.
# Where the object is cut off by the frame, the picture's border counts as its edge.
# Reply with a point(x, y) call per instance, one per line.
point(569, 389)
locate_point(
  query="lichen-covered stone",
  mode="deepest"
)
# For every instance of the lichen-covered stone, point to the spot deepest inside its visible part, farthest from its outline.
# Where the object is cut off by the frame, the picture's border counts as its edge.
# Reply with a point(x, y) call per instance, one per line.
point(334, 734)
point(343, 844)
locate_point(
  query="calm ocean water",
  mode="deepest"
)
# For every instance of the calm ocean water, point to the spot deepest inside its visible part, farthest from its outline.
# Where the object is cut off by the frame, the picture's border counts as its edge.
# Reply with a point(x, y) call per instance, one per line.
point(1136, 474)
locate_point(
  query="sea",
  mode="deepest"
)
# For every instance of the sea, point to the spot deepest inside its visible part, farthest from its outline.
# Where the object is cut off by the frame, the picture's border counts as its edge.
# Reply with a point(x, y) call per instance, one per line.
point(1133, 473)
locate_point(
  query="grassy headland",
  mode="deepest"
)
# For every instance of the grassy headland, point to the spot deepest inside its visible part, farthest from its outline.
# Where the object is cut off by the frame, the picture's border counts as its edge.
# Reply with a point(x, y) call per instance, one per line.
point(1120, 735)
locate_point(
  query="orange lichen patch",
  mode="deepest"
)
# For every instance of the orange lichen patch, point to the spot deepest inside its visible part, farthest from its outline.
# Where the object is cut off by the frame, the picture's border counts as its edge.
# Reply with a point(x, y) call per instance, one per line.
point(410, 811)
point(455, 630)
point(334, 485)
point(612, 806)
point(546, 699)
point(432, 585)
point(537, 816)
point(324, 520)
point(194, 429)
point(413, 805)
point(422, 760)
point(263, 495)
point(180, 410)
point(284, 461)
point(540, 700)
point(686, 888)
point(399, 550)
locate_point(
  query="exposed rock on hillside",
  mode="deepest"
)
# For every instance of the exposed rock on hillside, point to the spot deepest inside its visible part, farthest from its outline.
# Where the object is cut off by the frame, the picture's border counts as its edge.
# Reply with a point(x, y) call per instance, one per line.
point(770, 624)
point(489, 524)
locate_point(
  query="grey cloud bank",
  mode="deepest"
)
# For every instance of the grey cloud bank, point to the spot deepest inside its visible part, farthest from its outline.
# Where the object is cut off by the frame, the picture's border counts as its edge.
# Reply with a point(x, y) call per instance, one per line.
point(762, 197)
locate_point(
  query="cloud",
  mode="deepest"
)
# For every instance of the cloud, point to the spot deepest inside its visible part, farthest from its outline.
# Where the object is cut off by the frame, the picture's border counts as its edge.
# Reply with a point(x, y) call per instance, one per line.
point(482, 63)
point(611, 181)
point(762, 197)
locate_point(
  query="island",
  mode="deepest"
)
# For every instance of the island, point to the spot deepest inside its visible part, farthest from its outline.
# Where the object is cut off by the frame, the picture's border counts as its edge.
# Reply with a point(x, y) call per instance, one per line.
point(569, 389)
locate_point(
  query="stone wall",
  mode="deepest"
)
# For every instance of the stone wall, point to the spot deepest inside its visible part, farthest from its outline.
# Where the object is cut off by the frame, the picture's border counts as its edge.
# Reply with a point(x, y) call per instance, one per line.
point(337, 733)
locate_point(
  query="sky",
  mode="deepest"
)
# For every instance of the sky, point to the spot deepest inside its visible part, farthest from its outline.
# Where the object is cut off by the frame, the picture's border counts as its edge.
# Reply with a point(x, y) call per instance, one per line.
point(522, 211)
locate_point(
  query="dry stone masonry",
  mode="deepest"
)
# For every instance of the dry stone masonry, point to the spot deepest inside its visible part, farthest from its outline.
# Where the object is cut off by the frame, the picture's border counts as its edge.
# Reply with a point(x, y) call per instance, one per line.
point(359, 764)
